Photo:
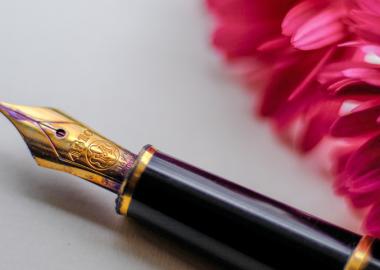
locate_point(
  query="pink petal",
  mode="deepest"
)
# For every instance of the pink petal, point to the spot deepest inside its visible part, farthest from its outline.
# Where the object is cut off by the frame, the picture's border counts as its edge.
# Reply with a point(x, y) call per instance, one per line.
point(238, 40)
point(355, 71)
point(357, 123)
point(362, 121)
point(238, 10)
point(372, 224)
point(292, 109)
point(274, 44)
point(371, 101)
point(365, 190)
point(322, 30)
point(368, 75)
point(299, 15)
point(364, 159)
point(372, 6)
point(248, 10)
point(366, 25)
point(287, 75)
point(319, 124)
point(341, 84)
point(312, 74)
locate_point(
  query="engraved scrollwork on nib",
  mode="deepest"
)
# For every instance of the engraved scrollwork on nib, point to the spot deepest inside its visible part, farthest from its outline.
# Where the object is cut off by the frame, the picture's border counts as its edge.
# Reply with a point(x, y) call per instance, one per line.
point(102, 155)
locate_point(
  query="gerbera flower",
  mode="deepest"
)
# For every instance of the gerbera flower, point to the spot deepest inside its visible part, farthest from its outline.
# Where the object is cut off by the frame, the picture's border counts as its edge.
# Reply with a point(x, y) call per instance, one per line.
point(322, 58)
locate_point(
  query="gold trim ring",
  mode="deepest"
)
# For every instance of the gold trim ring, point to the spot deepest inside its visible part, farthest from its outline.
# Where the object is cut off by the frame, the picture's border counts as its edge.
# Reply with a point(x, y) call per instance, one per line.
point(129, 185)
point(361, 255)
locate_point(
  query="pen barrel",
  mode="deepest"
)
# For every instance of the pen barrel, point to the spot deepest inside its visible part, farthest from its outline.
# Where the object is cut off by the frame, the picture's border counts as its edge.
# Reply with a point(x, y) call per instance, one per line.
point(232, 224)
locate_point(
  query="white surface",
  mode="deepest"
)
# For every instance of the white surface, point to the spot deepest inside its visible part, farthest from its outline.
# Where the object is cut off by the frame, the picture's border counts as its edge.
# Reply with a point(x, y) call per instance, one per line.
point(139, 72)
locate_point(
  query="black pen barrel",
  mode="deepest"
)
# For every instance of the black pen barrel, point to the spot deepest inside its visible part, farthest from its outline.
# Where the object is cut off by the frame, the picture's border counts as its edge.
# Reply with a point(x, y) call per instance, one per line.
point(232, 224)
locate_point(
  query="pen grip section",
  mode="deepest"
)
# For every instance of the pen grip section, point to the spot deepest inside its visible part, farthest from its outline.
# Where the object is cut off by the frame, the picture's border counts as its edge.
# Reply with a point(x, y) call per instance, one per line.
point(232, 224)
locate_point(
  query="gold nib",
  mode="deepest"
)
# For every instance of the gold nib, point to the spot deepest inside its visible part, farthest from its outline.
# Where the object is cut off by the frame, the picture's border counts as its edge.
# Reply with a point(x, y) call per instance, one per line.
point(59, 142)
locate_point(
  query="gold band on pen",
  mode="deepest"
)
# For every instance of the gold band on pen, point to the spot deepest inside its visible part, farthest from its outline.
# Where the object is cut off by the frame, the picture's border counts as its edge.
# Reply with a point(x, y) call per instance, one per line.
point(126, 191)
point(361, 255)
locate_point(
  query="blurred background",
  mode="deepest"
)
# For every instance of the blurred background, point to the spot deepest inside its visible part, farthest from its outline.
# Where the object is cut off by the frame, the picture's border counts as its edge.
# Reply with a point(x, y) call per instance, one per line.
point(139, 72)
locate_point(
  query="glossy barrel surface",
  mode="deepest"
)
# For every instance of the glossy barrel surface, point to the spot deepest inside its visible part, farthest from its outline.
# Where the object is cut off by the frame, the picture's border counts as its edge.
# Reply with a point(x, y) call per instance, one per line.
point(235, 226)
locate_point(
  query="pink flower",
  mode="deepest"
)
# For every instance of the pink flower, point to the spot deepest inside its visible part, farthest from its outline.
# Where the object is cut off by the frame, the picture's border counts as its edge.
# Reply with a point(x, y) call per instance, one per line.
point(323, 95)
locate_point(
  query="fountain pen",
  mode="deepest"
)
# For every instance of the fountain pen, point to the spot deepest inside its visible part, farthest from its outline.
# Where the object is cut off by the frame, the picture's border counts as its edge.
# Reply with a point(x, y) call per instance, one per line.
point(235, 226)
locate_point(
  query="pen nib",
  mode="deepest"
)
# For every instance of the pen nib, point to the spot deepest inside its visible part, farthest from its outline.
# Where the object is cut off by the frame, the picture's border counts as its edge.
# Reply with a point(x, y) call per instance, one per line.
point(59, 142)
